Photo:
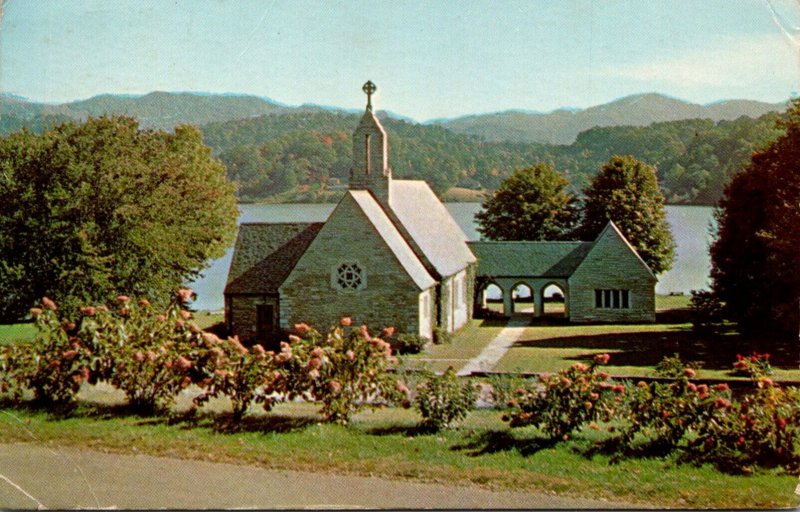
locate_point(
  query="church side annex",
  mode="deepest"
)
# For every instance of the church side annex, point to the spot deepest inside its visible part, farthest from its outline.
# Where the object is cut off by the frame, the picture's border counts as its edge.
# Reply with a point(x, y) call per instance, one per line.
point(390, 254)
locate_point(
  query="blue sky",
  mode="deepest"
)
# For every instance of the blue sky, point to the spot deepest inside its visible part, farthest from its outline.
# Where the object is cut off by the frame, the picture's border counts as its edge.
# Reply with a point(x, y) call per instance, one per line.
point(430, 59)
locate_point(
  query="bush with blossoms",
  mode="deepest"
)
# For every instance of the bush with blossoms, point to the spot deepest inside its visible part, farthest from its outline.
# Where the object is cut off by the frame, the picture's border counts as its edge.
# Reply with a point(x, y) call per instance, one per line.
point(761, 429)
point(664, 415)
point(754, 366)
point(149, 355)
point(566, 401)
point(442, 400)
point(346, 369)
point(52, 366)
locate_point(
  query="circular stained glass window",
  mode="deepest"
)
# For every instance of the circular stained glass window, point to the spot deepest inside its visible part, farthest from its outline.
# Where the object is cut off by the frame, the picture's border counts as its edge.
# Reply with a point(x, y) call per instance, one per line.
point(349, 276)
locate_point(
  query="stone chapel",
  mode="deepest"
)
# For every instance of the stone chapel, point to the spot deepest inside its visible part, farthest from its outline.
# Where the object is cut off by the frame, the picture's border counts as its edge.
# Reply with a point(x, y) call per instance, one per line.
point(390, 254)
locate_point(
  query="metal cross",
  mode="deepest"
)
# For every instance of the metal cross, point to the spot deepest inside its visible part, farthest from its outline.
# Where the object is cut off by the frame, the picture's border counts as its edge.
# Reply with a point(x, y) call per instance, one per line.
point(369, 88)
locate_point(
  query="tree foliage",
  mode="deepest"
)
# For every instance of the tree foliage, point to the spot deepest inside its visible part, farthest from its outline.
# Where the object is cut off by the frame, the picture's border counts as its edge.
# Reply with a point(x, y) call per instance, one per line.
point(756, 255)
point(89, 209)
point(626, 191)
point(534, 203)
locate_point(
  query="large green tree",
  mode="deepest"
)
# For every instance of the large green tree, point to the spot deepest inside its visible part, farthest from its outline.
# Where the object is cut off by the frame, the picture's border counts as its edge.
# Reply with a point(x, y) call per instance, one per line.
point(94, 209)
point(756, 255)
point(626, 191)
point(534, 203)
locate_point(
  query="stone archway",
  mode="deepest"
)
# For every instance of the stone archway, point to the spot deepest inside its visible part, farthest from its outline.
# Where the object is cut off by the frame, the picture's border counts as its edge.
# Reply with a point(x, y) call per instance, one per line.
point(554, 301)
point(522, 299)
point(492, 299)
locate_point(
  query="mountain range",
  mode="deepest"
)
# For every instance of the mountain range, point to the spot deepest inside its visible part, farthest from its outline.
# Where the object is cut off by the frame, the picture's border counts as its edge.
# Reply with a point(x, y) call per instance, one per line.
point(164, 110)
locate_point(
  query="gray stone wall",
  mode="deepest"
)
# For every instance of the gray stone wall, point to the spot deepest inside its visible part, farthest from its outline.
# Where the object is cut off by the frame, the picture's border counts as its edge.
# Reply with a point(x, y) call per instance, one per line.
point(612, 265)
point(241, 315)
point(390, 298)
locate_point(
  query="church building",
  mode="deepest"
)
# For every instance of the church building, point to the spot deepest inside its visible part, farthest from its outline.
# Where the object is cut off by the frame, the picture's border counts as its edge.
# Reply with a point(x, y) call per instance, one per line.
point(390, 254)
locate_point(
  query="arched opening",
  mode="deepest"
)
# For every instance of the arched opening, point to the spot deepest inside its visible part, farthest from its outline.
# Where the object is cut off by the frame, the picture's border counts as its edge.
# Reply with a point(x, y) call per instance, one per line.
point(554, 301)
point(492, 300)
point(522, 299)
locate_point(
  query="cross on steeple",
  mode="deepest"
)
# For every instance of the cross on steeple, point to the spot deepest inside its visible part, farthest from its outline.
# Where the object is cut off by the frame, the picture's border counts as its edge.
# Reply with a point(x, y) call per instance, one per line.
point(369, 88)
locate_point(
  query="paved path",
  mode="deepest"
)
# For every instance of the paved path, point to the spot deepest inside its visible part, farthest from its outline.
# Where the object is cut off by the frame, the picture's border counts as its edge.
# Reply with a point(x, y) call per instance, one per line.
point(35, 476)
point(497, 348)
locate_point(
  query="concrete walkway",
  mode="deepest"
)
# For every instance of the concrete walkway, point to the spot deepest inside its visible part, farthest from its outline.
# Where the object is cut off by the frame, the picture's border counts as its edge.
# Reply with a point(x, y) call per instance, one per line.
point(497, 348)
point(34, 476)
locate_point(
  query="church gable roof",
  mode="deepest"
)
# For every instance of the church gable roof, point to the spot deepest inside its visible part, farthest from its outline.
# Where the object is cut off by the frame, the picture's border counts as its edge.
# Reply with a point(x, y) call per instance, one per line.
point(545, 259)
point(392, 237)
point(430, 225)
point(265, 254)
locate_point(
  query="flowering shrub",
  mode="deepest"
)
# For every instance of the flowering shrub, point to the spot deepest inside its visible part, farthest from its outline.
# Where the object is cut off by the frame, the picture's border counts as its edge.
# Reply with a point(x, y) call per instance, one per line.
point(565, 401)
point(663, 414)
point(673, 367)
point(442, 400)
point(346, 369)
point(754, 366)
point(762, 429)
point(150, 356)
point(53, 366)
point(243, 375)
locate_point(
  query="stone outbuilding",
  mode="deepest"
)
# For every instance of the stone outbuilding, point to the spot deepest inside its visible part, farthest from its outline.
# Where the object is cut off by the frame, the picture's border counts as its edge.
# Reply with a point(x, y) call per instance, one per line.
point(602, 281)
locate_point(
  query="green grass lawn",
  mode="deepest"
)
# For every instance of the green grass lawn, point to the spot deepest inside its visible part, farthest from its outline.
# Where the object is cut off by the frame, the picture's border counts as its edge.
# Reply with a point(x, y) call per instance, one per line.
point(10, 333)
point(466, 344)
point(483, 451)
point(636, 349)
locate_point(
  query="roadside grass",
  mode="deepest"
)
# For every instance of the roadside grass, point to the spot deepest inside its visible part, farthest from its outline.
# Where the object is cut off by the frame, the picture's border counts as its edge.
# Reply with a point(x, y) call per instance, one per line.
point(636, 349)
point(388, 442)
point(466, 344)
point(665, 302)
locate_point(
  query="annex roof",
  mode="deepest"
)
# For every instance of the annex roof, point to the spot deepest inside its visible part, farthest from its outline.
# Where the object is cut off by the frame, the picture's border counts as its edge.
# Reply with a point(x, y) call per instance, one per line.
point(265, 254)
point(393, 239)
point(430, 225)
point(544, 259)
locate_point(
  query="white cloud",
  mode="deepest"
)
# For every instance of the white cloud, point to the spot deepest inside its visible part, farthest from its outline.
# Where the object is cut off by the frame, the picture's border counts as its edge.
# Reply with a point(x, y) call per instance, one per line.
point(730, 62)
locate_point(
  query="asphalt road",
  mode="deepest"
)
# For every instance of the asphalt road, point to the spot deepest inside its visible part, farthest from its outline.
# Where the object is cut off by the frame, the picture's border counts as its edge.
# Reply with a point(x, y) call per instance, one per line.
point(37, 476)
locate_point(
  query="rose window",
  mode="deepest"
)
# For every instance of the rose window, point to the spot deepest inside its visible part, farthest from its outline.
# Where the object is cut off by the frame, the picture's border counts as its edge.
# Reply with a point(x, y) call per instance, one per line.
point(350, 276)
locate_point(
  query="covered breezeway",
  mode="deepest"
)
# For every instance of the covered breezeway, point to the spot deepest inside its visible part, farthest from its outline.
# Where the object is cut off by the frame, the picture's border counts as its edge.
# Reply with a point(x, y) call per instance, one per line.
point(532, 296)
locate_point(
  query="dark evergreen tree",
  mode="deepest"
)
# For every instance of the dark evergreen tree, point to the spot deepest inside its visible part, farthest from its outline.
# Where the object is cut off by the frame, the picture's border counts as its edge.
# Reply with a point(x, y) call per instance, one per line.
point(534, 203)
point(756, 255)
point(626, 191)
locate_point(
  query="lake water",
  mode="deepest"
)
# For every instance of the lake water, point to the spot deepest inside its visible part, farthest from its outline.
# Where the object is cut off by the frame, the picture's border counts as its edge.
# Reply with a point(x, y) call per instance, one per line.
point(690, 227)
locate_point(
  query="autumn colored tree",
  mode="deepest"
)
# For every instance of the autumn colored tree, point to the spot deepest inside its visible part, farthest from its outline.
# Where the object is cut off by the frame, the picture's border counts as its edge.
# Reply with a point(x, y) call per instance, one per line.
point(93, 209)
point(626, 191)
point(756, 255)
point(534, 203)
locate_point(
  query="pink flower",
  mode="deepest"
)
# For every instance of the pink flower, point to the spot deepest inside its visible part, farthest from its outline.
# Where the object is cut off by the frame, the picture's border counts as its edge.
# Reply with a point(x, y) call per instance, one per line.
point(691, 386)
point(641, 384)
point(294, 339)
point(579, 367)
point(350, 355)
point(314, 374)
point(315, 362)
point(161, 318)
point(69, 355)
point(185, 382)
point(334, 386)
point(317, 352)
point(186, 315)
point(401, 387)
point(603, 375)
point(143, 302)
point(387, 332)
point(301, 329)
point(210, 338)
point(619, 388)
point(765, 382)
point(102, 308)
point(721, 403)
point(124, 311)
point(722, 387)
point(49, 304)
point(365, 333)
point(588, 405)
point(151, 356)
point(35, 312)
point(689, 373)
point(123, 299)
point(594, 396)
point(184, 295)
point(602, 358)
point(180, 324)
point(346, 321)
point(780, 423)
point(138, 357)
point(88, 311)
point(182, 363)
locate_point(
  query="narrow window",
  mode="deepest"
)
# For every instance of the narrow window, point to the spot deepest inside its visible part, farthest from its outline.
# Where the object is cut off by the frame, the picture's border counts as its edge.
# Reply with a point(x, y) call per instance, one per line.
point(598, 298)
point(615, 296)
point(368, 154)
point(625, 300)
point(606, 298)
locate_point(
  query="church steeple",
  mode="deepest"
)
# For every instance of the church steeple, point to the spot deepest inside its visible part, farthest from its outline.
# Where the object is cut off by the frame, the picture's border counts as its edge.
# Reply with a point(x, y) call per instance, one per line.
point(370, 169)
